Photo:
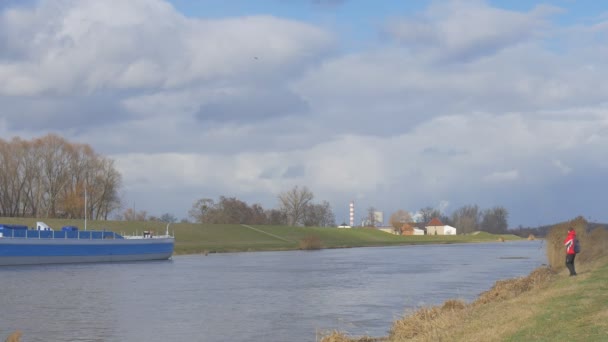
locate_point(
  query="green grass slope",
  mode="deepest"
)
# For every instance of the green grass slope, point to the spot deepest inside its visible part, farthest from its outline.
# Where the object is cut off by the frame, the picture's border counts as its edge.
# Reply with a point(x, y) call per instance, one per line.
point(193, 238)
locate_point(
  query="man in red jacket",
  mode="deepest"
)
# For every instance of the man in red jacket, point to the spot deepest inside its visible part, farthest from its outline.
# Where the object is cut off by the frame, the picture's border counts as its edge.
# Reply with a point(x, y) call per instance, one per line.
point(570, 253)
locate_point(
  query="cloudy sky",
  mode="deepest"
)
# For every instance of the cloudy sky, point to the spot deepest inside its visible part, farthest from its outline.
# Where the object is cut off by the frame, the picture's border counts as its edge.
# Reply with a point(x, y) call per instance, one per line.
point(393, 104)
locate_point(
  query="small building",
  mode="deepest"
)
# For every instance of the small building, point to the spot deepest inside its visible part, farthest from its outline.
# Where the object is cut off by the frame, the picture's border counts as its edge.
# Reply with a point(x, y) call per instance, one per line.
point(436, 227)
point(418, 231)
point(407, 229)
point(449, 230)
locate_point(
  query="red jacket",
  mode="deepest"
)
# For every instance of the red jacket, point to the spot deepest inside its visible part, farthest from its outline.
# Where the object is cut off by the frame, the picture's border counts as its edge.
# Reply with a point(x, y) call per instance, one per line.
point(569, 242)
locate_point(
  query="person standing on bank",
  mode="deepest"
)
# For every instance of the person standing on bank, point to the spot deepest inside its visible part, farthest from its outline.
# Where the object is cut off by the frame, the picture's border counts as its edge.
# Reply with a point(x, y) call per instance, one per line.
point(570, 252)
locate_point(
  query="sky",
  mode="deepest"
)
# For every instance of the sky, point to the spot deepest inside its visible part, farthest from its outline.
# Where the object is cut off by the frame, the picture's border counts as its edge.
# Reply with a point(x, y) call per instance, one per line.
point(390, 104)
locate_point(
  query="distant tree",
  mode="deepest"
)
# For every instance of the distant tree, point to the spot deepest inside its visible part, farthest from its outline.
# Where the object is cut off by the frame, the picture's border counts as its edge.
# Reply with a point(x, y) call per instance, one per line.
point(398, 219)
point(319, 215)
point(328, 218)
point(428, 213)
point(467, 219)
point(169, 218)
point(293, 203)
point(258, 216)
point(495, 220)
point(232, 210)
point(276, 217)
point(202, 210)
point(371, 218)
point(227, 210)
point(133, 215)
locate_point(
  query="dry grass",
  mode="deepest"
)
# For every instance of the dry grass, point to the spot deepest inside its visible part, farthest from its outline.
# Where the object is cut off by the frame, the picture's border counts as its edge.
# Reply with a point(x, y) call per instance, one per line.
point(510, 288)
point(442, 323)
point(594, 244)
point(430, 323)
point(14, 337)
point(311, 242)
point(338, 336)
point(445, 322)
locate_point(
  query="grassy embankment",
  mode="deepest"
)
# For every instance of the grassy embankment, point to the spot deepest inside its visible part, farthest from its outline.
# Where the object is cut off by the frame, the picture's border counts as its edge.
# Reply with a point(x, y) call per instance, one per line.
point(203, 238)
point(547, 305)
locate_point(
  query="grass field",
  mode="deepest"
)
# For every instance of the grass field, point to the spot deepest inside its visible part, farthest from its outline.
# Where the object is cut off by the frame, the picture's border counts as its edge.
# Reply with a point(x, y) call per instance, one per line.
point(202, 238)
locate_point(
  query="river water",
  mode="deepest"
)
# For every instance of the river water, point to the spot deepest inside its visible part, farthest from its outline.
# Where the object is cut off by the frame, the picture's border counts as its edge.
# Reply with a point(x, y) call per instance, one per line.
point(261, 296)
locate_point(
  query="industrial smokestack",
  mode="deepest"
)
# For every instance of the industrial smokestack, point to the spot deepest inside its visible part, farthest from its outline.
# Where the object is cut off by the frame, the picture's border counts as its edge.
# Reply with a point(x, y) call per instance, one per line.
point(352, 213)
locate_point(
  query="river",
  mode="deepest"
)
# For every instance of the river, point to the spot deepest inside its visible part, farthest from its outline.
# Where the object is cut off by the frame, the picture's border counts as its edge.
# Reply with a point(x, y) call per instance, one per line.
point(261, 296)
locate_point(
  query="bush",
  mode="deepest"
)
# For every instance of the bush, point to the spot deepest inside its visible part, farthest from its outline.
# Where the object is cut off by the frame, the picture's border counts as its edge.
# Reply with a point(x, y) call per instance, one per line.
point(556, 251)
point(594, 244)
point(510, 288)
point(429, 323)
point(310, 243)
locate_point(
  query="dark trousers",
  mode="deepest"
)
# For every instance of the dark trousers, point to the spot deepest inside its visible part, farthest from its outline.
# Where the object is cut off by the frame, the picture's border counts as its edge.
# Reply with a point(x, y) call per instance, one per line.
point(570, 263)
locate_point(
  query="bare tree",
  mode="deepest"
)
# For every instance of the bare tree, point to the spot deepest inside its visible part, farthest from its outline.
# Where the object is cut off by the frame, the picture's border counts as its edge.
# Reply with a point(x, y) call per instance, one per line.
point(232, 210)
point(258, 216)
point(466, 219)
point(202, 210)
point(371, 217)
point(428, 213)
point(495, 220)
point(133, 215)
point(48, 176)
point(398, 219)
point(319, 215)
point(169, 218)
point(293, 203)
point(276, 217)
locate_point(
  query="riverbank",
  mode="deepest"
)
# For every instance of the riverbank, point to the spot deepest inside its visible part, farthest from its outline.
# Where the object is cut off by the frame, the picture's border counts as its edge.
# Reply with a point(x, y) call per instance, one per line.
point(191, 238)
point(544, 306)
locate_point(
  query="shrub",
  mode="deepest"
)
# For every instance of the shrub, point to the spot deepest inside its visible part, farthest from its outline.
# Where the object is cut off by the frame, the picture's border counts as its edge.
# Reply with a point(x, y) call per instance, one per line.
point(594, 245)
point(510, 288)
point(337, 336)
point(556, 251)
point(311, 242)
point(429, 323)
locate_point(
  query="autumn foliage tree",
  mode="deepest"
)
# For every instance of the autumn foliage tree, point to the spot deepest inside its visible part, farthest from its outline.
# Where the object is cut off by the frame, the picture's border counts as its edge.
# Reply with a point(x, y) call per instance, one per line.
point(398, 219)
point(49, 176)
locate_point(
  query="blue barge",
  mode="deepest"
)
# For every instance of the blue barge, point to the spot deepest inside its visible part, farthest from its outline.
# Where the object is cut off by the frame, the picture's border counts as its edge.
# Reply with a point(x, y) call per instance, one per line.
point(22, 246)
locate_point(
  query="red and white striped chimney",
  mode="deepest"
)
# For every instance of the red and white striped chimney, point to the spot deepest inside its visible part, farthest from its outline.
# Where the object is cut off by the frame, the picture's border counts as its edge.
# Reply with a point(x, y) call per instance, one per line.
point(352, 213)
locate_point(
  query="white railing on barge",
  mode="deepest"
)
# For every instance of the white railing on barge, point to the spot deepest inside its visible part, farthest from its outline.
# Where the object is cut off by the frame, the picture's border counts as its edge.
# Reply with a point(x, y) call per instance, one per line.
point(89, 235)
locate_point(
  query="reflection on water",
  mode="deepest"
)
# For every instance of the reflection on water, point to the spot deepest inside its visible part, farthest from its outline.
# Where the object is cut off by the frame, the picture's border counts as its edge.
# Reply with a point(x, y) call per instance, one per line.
point(264, 296)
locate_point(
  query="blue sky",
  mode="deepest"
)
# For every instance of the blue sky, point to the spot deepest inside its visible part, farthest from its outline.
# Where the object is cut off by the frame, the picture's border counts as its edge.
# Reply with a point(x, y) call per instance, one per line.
point(392, 104)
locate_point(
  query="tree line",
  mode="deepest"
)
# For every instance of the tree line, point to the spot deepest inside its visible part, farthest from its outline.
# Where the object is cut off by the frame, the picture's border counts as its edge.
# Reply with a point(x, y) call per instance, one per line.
point(466, 219)
point(296, 208)
point(49, 176)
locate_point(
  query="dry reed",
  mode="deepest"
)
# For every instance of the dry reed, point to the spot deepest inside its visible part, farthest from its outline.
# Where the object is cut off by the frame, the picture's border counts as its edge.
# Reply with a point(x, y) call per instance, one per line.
point(510, 288)
point(430, 323)
point(338, 336)
point(594, 243)
point(311, 242)
point(14, 337)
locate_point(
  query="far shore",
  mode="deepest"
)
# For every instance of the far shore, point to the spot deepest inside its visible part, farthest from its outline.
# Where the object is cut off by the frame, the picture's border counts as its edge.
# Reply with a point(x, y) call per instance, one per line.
point(193, 238)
